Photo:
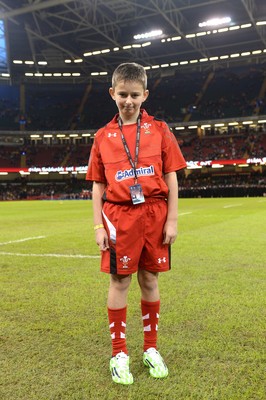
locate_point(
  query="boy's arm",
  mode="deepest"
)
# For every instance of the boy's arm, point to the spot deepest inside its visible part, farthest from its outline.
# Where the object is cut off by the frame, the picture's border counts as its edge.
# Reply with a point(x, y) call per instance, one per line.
point(170, 227)
point(100, 233)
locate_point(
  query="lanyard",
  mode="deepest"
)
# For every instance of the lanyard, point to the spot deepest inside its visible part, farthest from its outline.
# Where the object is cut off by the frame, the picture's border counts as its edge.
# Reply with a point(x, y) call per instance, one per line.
point(135, 162)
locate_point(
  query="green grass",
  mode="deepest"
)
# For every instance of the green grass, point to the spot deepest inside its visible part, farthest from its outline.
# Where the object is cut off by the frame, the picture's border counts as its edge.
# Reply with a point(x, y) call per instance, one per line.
point(54, 337)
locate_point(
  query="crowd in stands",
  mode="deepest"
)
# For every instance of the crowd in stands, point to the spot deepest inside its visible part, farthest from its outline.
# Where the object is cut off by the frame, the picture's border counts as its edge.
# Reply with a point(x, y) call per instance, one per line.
point(9, 114)
point(193, 147)
point(245, 185)
point(44, 156)
point(224, 147)
point(224, 186)
point(72, 189)
point(232, 94)
point(229, 93)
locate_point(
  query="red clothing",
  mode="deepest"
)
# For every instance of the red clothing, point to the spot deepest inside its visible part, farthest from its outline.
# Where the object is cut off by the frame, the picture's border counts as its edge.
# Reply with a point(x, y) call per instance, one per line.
point(159, 154)
point(136, 238)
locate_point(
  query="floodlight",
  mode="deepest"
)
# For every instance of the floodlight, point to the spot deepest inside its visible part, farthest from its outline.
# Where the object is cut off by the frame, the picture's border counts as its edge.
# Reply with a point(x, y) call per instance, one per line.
point(147, 35)
point(215, 22)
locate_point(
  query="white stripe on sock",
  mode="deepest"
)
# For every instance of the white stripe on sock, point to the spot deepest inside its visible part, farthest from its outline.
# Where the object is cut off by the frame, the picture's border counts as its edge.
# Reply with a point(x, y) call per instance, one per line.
point(147, 328)
point(147, 316)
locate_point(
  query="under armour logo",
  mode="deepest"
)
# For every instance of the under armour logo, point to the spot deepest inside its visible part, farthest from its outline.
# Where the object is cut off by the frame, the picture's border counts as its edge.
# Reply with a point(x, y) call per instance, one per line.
point(161, 260)
point(112, 134)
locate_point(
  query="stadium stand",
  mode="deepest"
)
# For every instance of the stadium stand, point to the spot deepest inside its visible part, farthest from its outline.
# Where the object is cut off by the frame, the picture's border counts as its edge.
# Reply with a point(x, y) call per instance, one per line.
point(232, 92)
point(214, 78)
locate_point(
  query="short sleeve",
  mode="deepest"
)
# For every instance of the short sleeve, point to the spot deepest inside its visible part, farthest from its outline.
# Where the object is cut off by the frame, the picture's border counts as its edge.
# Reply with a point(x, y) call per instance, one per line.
point(95, 170)
point(173, 159)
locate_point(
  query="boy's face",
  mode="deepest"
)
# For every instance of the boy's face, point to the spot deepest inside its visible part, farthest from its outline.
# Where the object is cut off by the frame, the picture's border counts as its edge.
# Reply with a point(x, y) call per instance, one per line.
point(129, 96)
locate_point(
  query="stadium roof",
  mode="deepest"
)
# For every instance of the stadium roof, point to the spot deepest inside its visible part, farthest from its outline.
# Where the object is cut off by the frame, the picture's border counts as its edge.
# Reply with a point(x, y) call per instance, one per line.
point(52, 31)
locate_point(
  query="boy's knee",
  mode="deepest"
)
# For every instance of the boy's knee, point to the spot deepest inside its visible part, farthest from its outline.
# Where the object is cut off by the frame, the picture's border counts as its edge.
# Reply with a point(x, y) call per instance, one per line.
point(148, 280)
point(120, 282)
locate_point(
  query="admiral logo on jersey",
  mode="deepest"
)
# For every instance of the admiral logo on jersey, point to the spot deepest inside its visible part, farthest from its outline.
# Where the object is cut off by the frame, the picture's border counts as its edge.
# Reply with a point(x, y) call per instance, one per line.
point(129, 173)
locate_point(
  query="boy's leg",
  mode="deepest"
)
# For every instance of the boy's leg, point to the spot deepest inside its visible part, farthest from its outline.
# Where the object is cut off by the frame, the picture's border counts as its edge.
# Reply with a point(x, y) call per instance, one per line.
point(150, 307)
point(117, 309)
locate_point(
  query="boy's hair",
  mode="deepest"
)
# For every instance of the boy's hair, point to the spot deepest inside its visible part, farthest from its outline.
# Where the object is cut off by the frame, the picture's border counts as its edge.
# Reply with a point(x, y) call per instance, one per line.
point(130, 72)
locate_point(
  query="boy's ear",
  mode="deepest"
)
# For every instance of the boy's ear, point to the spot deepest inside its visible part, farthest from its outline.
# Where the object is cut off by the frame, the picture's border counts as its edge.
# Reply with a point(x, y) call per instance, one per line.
point(146, 94)
point(112, 92)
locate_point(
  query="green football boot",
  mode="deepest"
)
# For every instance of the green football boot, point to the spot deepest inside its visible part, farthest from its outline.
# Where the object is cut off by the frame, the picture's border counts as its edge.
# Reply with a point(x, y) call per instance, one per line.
point(155, 362)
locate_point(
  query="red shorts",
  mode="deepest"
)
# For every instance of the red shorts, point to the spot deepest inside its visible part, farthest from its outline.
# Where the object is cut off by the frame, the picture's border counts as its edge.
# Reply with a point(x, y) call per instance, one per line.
point(135, 238)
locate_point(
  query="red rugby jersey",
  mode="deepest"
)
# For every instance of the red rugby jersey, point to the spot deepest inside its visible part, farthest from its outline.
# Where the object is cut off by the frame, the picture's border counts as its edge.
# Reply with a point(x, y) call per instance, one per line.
point(159, 153)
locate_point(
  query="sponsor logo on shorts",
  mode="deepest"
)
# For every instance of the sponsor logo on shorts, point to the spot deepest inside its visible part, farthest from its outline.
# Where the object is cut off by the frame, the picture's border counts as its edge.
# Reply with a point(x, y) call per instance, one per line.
point(162, 260)
point(129, 173)
point(125, 260)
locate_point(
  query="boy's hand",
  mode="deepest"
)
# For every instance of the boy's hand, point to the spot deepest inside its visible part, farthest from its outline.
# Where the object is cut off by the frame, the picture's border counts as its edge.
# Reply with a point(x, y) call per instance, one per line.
point(169, 233)
point(102, 239)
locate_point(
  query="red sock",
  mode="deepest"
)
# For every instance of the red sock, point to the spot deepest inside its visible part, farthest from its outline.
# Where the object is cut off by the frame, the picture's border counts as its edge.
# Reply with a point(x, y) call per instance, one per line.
point(117, 324)
point(150, 317)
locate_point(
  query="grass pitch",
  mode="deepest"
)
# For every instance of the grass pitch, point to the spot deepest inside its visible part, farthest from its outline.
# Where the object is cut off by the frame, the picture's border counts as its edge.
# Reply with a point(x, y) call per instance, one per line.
point(54, 337)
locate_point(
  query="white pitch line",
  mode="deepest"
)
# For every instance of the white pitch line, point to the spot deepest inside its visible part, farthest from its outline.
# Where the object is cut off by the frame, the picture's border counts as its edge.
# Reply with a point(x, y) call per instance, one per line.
point(186, 213)
point(4, 253)
point(23, 240)
point(233, 205)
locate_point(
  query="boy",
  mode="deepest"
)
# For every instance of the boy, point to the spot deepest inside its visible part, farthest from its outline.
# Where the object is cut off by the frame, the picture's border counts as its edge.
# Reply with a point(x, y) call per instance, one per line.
point(133, 166)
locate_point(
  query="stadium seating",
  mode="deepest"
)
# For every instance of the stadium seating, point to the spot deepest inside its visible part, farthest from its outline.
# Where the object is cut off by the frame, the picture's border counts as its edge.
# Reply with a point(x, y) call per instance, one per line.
point(230, 92)
point(187, 96)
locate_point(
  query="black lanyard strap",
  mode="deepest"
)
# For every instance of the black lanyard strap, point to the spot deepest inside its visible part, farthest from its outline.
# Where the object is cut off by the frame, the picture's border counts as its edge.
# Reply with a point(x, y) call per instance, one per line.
point(130, 159)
